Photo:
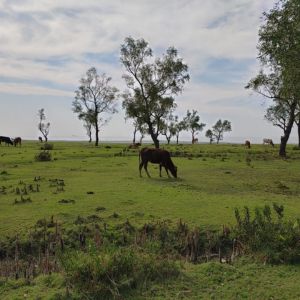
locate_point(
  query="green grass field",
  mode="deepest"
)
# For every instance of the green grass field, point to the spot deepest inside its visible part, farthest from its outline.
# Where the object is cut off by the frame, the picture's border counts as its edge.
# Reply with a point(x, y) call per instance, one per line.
point(213, 180)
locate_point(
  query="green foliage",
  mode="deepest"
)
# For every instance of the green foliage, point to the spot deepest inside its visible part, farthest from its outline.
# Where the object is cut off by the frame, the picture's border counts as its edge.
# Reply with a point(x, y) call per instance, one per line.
point(192, 123)
point(44, 128)
point(148, 82)
point(115, 272)
point(94, 98)
point(279, 79)
point(44, 155)
point(47, 146)
point(273, 238)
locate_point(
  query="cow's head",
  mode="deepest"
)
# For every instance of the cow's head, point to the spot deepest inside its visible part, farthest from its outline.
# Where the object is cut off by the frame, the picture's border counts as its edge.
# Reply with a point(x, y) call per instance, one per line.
point(173, 170)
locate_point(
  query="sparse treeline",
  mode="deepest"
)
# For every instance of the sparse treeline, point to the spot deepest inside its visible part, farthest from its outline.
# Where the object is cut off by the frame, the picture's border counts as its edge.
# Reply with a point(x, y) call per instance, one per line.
point(149, 100)
point(154, 82)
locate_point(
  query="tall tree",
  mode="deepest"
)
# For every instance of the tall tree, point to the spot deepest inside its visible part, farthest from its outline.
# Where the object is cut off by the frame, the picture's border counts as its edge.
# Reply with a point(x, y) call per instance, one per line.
point(138, 127)
point(88, 128)
point(192, 121)
point(279, 48)
point(95, 100)
point(179, 126)
point(43, 127)
point(209, 134)
point(219, 129)
point(169, 128)
point(152, 84)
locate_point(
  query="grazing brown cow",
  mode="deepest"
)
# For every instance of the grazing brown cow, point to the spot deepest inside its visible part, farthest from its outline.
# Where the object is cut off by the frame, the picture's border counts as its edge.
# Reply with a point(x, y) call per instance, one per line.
point(247, 144)
point(17, 141)
point(40, 139)
point(156, 156)
point(268, 141)
point(194, 141)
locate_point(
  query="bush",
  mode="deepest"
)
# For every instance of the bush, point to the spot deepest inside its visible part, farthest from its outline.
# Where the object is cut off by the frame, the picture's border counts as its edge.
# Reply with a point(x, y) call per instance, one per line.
point(43, 156)
point(272, 238)
point(114, 272)
point(47, 146)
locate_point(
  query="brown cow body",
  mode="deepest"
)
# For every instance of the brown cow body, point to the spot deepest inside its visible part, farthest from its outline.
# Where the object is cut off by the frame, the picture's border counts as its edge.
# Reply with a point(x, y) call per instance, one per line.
point(17, 141)
point(157, 156)
point(248, 144)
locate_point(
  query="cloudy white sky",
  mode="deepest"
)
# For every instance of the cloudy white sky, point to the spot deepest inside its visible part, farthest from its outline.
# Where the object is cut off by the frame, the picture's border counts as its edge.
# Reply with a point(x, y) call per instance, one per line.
point(46, 46)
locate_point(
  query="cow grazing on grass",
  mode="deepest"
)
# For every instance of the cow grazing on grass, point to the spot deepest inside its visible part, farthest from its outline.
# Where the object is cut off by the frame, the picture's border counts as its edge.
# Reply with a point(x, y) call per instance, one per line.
point(40, 139)
point(268, 141)
point(156, 156)
point(7, 140)
point(248, 144)
point(17, 141)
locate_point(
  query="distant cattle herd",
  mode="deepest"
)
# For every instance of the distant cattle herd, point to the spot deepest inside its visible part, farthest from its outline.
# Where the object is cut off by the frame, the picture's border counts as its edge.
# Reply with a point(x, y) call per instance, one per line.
point(8, 141)
point(153, 155)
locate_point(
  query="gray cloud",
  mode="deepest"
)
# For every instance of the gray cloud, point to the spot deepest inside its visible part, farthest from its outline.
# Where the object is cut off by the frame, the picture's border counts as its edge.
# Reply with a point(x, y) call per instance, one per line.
point(47, 45)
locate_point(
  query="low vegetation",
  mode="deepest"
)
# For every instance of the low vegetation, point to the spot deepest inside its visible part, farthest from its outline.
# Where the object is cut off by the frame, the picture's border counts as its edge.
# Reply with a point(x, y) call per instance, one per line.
point(85, 225)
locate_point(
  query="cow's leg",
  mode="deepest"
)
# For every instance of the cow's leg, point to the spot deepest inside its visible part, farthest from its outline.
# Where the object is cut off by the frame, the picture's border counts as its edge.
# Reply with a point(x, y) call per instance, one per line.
point(160, 166)
point(140, 168)
point(145, 167)
point(167, 171)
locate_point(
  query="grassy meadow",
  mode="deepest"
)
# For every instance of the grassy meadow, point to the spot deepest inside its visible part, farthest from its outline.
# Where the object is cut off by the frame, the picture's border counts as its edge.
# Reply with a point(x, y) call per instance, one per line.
point(84, 181)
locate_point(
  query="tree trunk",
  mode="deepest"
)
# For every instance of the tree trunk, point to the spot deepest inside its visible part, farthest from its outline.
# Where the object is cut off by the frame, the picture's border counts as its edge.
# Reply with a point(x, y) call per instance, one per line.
point(177, 138)
point(134, 135)
point(141, 139)
point(218, 138)
point(298, 134)
point(96, 134)
point(155, 140)
point(153, 136)
point(168, 140)
point(284, 139)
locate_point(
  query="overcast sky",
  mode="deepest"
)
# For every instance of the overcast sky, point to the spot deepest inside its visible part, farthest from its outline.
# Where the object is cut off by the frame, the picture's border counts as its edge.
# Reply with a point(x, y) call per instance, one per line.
point(48, 45)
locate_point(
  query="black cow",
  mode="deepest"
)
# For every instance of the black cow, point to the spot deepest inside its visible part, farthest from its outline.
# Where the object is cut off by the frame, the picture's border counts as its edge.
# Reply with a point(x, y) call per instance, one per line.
point(157, 156)
point(248, 144)
point(6, 140)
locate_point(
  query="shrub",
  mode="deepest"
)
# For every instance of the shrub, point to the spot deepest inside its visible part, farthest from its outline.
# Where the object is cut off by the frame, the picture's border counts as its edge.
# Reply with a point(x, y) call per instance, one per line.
point(114, 272)
point(276, 240)
point(43, 156)
point(47, 146)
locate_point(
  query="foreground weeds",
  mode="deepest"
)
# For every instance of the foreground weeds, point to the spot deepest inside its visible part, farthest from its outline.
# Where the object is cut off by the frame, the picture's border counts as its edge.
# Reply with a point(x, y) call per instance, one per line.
point(98, 262)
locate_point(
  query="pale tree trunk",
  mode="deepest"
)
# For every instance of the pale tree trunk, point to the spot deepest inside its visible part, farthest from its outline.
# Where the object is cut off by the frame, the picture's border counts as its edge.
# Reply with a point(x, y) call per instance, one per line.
point(134, 135)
